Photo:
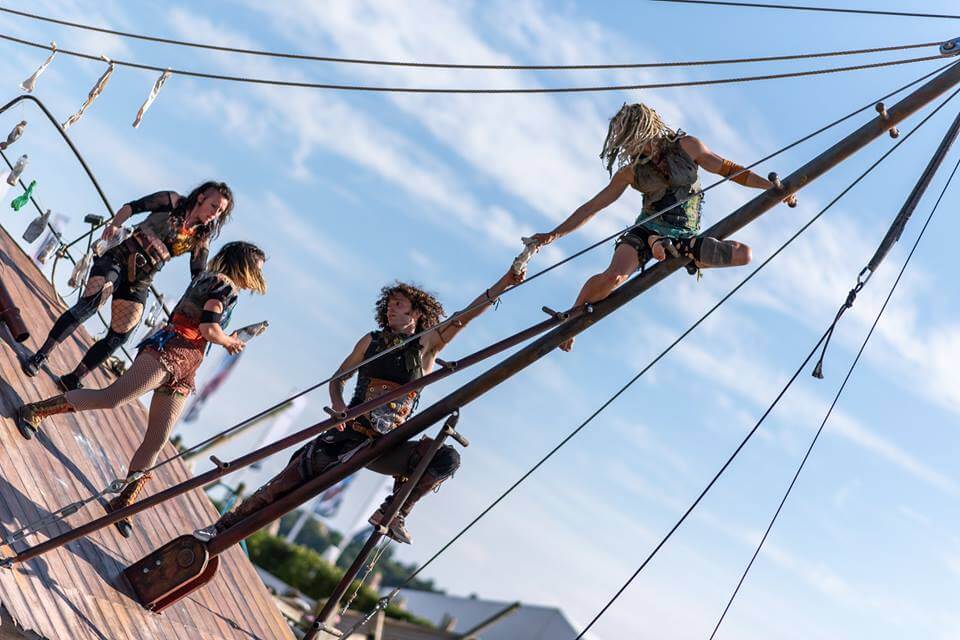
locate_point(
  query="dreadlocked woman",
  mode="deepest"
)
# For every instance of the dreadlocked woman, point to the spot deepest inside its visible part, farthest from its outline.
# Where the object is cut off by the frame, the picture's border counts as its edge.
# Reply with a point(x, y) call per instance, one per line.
point(663, 165)
point(401, 311)
point(167, 361)
point(175, 226)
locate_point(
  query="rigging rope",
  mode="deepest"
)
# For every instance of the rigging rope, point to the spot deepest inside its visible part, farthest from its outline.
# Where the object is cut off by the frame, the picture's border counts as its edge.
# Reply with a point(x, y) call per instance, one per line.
point(836, 399)
point(752, 431)
point(793, 7)
point(441, 90)
point(542, 272)
point(386, 599)
point(445, 65)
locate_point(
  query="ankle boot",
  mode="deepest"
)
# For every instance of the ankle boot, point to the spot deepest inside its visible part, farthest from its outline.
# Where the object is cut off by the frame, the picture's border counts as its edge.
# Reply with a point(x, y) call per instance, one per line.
point(126, 498)
point(281, 484)
point(397, 529)
point(31, 366)
point(29, 416)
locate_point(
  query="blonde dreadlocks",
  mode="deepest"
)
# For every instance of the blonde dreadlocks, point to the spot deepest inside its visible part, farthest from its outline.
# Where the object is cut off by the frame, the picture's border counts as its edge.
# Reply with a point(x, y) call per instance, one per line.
point(634, 126)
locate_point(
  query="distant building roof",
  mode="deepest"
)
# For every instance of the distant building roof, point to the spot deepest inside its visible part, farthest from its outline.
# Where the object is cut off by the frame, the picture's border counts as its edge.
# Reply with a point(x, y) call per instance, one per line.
point(529, 622)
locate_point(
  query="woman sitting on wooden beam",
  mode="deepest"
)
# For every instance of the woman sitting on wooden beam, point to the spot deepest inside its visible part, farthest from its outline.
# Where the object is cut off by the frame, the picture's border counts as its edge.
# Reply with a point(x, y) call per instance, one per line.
point(401, 311)
point(167, 362)
point(664, 165)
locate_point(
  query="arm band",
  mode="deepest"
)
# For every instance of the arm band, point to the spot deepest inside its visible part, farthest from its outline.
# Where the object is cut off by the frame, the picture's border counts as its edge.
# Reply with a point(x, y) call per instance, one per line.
point(728, 168)
point(210, 317)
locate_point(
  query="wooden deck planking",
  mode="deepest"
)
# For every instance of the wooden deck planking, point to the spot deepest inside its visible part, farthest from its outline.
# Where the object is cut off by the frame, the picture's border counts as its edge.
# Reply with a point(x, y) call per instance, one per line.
point(78, 591)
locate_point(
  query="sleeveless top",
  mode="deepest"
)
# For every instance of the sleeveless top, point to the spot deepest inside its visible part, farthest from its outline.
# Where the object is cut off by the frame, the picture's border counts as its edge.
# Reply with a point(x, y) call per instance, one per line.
point(398, 367)
point(165, 225)
point(673, 177)
point(209, 285)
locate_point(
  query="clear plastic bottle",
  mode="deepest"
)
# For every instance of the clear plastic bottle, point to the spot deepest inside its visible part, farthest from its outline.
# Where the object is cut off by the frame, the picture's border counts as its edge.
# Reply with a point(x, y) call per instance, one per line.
point(18, 168)
point(36, 226)
point(79, 274)
point(14, 135)
point(47, 249)
point(251, 331)
point(154, 317)
point(101, 246)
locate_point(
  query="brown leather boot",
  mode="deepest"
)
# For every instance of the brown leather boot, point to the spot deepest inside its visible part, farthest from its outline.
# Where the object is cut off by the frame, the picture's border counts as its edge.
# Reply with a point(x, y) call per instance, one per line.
point(29, 416)
point(397, 529)
point(126, 498)
point(281, 484)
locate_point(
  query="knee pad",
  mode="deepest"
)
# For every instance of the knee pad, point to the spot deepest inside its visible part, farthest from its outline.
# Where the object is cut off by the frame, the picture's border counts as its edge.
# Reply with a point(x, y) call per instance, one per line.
point(85, 308)
point(115, 339)
point(445, 462)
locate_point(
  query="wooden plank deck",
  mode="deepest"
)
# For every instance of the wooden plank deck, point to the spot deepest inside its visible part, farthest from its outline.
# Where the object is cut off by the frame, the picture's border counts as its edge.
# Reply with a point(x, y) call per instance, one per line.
point(78, 592)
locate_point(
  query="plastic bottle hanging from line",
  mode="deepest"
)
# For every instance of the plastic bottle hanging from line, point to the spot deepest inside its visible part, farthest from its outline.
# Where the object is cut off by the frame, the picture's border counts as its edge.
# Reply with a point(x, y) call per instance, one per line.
point(93, 94)
point(101, 246)
point(79, 274)
point(18, 168)
point(21, 200)
point(47, 249)
point(14, 135)
point(31, 82)
point(155, 314)
point(530, 249)
point(36, 226)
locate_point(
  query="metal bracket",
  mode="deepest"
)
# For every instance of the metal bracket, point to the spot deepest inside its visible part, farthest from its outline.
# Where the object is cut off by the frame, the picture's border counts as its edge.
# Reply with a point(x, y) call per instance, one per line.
point(448, 364)
point(882, 110)
point(220, 463)
point(338, 415)
point(559, 315)
point(452, 433)
point(950, 47)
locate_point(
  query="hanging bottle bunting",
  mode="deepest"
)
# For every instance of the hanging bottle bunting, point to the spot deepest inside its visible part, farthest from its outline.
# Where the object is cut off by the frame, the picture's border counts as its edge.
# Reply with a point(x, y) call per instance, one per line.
point(18, 168)
point(94, 93)
point(79, 274)
point(28, 84)
point(47, 248)
point(150, 98)
point(14, 135)
point(36, 226)
point(20, 201)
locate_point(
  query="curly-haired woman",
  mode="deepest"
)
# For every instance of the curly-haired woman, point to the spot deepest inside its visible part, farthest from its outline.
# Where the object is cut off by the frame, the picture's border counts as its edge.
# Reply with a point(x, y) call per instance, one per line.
point(167, 361)
point(664, 165)
point(175, 226)
point(401, 311)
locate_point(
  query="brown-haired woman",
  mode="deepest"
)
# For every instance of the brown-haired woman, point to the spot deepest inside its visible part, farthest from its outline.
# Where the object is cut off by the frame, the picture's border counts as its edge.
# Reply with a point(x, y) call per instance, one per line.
point(175, 226)
point(664, 165)
point(401, 311)
point(167, 361)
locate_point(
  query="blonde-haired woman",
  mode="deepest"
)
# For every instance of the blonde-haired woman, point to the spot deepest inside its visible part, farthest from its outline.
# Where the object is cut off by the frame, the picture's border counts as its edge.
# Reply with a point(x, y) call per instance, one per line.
point(663, 164)
point(167, 361)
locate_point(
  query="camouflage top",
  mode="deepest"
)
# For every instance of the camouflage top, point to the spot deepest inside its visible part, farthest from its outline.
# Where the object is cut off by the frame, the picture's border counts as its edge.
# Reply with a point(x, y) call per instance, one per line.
point(671, 178)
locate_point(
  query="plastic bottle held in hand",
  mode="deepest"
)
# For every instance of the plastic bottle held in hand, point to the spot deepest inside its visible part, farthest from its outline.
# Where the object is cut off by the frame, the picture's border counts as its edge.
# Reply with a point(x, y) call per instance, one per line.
point(101, 246)
point(17, 170)
point(251, 331)
point(529, 250)
point(79, 274)
point(36, 226)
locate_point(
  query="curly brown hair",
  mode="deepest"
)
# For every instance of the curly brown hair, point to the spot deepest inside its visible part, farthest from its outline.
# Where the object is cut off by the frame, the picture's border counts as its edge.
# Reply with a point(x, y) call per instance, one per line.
point(431, 311)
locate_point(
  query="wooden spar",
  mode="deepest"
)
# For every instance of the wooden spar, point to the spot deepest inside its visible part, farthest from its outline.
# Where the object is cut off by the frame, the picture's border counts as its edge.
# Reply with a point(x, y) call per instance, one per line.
point(743, 216)
point(224, 468)
point(729, 225)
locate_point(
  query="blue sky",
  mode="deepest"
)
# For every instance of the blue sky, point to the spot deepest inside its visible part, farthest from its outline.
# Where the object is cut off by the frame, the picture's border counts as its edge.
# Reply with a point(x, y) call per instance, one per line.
point(349, 191)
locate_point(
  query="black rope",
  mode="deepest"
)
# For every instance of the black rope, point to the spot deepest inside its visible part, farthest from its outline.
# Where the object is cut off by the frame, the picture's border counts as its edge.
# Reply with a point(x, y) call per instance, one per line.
point(836, 398)
point(518, 91)
point(750, 434)
point(531, 278)
point(894, 232)
point(650, 365)
point(445, 65)
point(793, 7)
